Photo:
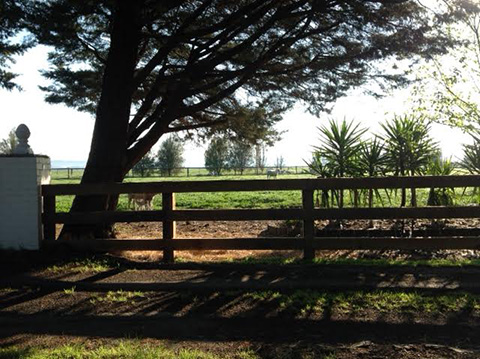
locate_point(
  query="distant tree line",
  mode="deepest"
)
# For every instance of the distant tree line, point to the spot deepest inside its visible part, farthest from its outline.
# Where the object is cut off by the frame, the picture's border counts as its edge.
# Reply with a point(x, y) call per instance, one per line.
point(169, 159)
point(221, 154)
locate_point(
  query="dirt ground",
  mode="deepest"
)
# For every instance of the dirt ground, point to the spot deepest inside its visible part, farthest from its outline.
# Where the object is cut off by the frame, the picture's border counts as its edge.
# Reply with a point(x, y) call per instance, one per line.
point(199, 303)
point(253, 229)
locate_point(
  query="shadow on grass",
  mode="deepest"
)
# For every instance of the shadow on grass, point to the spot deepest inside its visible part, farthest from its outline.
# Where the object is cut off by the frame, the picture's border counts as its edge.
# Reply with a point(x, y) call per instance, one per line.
point(239, 302)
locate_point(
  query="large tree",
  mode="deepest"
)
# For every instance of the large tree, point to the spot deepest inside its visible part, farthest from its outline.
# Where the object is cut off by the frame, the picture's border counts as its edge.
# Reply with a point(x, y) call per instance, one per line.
point(147, 68)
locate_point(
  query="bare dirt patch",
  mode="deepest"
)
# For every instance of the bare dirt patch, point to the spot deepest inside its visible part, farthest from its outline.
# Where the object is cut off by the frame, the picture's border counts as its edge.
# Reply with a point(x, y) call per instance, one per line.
point(254, 229)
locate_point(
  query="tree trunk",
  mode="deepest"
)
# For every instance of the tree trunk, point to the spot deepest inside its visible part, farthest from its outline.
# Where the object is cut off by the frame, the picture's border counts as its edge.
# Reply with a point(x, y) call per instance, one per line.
point(404, 198)
point(107, 158)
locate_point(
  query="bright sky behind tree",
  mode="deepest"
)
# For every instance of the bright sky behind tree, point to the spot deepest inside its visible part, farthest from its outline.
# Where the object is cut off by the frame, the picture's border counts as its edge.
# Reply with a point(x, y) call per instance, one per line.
point(65, 134)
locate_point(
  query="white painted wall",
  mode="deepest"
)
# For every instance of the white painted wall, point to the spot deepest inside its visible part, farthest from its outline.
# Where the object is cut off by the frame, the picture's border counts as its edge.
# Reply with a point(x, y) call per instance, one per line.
point(20, 201)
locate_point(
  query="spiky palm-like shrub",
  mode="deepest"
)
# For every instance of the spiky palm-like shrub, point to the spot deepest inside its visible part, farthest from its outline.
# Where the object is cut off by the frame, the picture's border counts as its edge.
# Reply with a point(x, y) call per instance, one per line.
point(440, 167)
point(340, 143)
point(319, 167)
point(471, 157)
point(373, 163)
point(409, 148)
point(471, 160)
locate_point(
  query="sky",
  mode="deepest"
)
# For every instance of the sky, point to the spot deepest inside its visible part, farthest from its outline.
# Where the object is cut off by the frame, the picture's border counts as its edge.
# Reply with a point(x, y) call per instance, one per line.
point(64, 134)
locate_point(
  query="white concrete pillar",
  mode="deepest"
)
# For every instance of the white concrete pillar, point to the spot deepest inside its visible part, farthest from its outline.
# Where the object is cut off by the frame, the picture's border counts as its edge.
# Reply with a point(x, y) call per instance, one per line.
point(21, 177)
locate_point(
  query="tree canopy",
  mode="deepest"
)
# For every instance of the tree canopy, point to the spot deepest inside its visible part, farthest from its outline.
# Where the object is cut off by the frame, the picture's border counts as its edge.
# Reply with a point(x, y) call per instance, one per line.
point(11, 24)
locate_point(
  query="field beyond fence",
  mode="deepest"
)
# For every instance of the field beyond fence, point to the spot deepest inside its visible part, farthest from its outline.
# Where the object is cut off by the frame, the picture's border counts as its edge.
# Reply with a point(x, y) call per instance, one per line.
point(77, 173)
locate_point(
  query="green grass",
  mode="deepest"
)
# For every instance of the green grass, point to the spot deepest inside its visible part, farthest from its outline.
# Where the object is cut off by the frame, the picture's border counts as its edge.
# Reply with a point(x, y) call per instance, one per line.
point(360, 261)
point(70, 291)
point(308, 302)
point(83, 265)
point(119, 296)
point(125, 350)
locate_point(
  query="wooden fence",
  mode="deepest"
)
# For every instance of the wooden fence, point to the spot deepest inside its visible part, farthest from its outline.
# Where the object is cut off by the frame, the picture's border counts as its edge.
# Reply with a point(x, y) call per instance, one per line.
point(308, 213)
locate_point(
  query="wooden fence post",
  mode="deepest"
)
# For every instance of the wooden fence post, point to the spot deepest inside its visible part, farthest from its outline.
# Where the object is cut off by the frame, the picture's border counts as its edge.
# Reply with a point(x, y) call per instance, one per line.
point(308, 224)
point(169, 227)
point(49, 209)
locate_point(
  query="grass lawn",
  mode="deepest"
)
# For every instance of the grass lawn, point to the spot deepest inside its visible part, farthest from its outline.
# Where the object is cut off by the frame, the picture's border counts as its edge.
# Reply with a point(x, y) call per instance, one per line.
point(129, 349)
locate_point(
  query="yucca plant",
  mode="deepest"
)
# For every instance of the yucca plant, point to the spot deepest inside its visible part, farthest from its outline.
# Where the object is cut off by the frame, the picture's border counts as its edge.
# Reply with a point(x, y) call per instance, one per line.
point(319, 167)
point(340, 143)
point(373, 163)
point(439, 166)
point(409, 148)
point(471, 157)
point(471, 160)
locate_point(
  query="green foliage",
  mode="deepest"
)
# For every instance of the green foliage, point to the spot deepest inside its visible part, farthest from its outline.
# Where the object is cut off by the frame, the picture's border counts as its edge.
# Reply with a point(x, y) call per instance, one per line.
point(337, 155)
point(119, 296)
point(252, 124)
point(12, 43)
point(145, 166)
point(409, 148)
point(408, 145)
point(7, 145)
point(70, 291)
point(217, 156)
point(240, 156)
point(447, 89)
point(372, 158)
point(340, 144)
point(372, 162)
point(471, 157)
point(170, 156)
point(320, 168)
point(440, 167)
point(83, 265)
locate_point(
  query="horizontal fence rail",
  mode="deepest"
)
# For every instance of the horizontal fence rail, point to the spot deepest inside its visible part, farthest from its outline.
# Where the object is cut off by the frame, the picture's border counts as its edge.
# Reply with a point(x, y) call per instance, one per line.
point(307, 214)
point(263, 185)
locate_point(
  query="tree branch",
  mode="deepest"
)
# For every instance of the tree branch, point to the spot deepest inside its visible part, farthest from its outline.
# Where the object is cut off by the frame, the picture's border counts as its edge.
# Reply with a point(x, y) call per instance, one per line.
point(196, 126)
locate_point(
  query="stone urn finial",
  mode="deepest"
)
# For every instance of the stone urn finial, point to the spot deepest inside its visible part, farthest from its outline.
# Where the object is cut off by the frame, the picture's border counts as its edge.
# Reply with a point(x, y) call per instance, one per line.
point(22, 148)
